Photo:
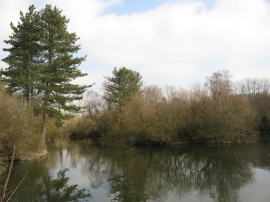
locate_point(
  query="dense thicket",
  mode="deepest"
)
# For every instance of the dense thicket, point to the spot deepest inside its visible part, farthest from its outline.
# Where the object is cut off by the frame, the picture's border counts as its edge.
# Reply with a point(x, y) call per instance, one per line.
point(18, 127)
point(257, 92)
point(214, 112)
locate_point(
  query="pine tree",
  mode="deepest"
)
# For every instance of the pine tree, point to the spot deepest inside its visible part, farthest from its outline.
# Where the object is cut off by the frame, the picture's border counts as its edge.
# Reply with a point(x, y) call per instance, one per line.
point(42, 63)
point(59, 67)
point(121, 87)
point(24, 55)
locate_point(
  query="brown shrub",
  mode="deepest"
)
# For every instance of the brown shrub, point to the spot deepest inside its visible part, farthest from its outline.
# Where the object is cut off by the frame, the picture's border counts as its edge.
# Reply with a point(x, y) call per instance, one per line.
point(18, 126)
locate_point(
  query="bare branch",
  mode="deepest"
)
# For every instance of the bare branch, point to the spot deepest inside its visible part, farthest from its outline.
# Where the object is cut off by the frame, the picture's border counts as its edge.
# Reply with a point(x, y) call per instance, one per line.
point(17, 187)
point(9, 173)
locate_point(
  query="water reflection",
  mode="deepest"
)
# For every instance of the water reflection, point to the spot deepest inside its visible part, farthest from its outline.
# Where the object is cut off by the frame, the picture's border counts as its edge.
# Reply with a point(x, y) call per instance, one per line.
point(140, 174)
point(59, 190)
point(39, 185)
point(214, 173)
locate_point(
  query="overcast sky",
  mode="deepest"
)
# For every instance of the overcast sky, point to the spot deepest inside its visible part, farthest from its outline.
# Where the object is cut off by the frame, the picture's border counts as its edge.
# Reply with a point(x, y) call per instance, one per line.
point(169, 42)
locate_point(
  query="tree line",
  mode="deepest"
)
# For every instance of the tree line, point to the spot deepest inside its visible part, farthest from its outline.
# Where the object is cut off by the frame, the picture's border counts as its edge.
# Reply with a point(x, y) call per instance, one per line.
point(212, 112)
point(42, 63)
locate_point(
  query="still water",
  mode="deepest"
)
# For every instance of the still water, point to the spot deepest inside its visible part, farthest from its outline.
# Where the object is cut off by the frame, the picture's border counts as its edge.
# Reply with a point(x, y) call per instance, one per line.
point(80, 171)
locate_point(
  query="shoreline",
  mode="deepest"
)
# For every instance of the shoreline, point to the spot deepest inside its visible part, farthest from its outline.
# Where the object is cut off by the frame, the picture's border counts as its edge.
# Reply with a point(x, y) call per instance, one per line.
point(26, 157)
point(120, 141)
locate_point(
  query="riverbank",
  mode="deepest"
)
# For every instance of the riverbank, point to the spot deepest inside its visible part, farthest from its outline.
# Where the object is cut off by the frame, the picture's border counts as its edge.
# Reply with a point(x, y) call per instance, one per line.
point(34, 156)
point(127, 141)
point(26, 156)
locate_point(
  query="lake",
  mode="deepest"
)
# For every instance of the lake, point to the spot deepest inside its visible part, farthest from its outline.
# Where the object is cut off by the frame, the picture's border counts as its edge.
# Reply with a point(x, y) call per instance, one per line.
point(81, 171)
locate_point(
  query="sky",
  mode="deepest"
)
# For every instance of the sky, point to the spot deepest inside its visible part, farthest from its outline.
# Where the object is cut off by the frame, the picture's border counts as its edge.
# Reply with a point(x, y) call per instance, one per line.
point(169, 42)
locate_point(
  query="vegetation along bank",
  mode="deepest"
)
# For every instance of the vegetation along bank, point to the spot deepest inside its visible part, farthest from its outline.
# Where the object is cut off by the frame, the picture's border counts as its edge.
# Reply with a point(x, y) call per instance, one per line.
point(37, 98)
point(217, 111)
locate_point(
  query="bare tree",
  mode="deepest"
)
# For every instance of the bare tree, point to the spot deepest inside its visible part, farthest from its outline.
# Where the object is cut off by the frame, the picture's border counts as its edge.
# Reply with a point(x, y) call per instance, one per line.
point(219, 83)
point(94, 103)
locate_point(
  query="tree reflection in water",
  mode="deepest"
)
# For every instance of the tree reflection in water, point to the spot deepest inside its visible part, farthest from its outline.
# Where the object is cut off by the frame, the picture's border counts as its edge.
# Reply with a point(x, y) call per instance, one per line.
point(40, 186)
point(144, 174)
point(59, 190)
point(124, 190)
point(214, 173)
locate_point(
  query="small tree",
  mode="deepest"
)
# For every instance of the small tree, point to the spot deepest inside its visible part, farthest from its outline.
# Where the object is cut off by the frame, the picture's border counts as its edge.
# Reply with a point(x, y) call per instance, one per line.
point(121, 87)
point(219, 84)
point(94, 104)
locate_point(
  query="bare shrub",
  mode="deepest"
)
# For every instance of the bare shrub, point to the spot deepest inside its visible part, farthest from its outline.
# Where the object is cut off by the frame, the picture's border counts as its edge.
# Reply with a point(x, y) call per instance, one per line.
point(18, 126)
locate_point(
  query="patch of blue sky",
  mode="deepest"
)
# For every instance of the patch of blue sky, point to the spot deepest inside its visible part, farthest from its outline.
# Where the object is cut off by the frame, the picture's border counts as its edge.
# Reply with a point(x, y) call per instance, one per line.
point(208, 3)
point(127, 7)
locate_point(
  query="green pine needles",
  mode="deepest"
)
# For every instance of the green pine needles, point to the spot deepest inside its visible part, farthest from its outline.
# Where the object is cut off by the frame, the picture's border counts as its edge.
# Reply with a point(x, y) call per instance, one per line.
point(42, 63)
point(120, 88)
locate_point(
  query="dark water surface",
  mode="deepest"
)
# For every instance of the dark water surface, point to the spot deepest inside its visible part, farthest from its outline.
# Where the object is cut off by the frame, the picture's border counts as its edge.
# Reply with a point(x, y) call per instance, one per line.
point(80, 171)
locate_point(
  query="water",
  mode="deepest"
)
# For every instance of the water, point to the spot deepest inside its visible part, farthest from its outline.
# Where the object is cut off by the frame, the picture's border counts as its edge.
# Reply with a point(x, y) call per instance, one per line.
point(80, 171)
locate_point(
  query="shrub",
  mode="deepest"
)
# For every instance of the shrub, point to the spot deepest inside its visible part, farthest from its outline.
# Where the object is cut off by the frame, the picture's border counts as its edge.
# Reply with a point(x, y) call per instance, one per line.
point(18, 126)
point(79, 126)
point(223, 118)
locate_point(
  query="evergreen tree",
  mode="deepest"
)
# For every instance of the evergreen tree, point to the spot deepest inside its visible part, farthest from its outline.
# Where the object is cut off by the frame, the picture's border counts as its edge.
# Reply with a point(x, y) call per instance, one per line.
point(59, 66)
point(121, 87)
point(23, 58)
point(42, 63)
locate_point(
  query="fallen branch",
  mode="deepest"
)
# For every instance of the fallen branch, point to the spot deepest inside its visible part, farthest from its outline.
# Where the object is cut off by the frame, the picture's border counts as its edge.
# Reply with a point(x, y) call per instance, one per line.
point(11, 193)
point(17, 187)
point(9, 173)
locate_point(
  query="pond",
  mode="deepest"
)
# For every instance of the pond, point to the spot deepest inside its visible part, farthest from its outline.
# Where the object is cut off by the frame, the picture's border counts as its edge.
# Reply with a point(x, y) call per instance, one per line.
point(81, 171)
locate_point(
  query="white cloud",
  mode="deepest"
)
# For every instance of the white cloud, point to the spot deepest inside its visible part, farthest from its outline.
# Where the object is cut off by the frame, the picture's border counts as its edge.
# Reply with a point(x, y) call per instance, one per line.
point(180, 39)
point(184, 40)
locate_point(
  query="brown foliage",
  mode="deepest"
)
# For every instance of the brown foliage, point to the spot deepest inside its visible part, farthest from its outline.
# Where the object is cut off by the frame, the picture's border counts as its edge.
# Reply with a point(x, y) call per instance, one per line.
point(209, 113)
point(18, 126)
